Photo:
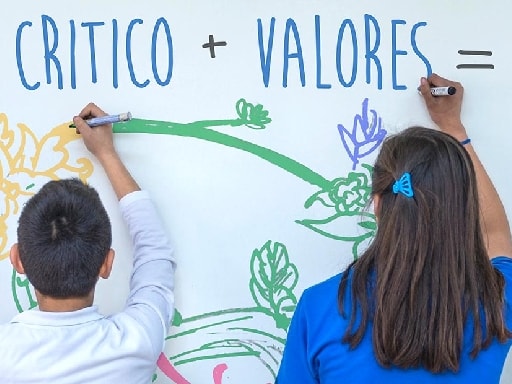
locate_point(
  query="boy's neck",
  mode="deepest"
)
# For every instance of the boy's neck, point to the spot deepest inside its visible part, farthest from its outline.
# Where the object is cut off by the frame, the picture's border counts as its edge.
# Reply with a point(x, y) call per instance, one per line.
point(70, 304)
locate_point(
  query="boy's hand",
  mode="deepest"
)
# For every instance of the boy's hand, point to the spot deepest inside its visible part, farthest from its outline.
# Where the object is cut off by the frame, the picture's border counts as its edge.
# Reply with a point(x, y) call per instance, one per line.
point(98, 140)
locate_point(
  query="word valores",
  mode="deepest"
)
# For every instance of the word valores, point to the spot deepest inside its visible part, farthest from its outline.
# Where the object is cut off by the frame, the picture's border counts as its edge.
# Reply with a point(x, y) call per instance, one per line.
point(348, 41)
point(70, 52)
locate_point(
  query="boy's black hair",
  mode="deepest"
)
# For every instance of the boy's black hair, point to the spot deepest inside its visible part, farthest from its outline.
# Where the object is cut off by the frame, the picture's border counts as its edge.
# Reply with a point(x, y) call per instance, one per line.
point(64, 235)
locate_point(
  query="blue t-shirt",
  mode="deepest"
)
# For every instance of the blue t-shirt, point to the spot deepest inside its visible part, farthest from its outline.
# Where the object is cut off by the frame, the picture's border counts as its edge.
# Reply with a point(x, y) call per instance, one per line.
point(315, 354)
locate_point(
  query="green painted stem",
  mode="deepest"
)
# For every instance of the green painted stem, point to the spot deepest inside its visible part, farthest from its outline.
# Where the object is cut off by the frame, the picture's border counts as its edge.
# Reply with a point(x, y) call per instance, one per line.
point(236, 311)
point(199, 130)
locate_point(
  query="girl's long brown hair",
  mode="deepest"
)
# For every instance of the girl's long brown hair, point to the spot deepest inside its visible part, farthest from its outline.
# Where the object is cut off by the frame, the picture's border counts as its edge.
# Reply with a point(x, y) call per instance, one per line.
point(427, 270)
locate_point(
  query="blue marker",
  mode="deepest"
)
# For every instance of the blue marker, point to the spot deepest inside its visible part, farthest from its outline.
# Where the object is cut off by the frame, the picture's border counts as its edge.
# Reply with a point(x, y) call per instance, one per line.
point(109, 119)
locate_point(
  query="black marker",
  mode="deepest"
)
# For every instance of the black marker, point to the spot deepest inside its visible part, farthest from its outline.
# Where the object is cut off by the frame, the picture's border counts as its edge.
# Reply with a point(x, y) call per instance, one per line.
point(443, 91)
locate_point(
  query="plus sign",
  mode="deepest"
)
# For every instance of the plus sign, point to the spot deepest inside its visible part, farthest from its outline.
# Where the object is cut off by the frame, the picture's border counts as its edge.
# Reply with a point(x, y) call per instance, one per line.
point(212, 44)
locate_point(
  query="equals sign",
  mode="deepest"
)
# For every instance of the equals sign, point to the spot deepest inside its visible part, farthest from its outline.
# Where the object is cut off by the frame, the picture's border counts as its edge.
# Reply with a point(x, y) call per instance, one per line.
point(475, 66)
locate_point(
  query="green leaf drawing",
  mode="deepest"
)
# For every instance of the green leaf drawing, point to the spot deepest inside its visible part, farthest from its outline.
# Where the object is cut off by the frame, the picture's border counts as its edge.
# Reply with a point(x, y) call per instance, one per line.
point(368, 225)
point(22, 292)
point(273, 280)
point(253, 116)
point(177, 319)
point(341, 226)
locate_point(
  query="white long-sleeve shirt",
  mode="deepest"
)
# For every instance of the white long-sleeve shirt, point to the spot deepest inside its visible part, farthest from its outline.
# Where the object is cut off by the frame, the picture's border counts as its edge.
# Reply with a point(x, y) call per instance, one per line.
point(86, 347)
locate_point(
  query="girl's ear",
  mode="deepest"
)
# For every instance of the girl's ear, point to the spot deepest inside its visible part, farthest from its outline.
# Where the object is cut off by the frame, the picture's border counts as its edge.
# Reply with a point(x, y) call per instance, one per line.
point(14, 255)
point(376, 206)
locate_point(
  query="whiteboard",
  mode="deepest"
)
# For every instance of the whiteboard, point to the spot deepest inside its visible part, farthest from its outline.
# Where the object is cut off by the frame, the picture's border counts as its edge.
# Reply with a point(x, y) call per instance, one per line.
point(255, 126)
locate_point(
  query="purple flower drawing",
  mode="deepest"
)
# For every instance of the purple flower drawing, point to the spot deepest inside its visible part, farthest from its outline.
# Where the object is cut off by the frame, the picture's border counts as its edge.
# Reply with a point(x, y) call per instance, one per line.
point(366, 134)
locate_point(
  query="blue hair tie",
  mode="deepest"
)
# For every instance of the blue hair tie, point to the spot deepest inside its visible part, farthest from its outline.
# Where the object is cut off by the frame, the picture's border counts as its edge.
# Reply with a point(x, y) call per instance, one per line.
point(404, 185)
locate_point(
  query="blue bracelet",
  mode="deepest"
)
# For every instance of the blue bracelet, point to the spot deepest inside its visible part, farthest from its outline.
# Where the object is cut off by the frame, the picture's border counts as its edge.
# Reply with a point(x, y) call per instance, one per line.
point(466, 141)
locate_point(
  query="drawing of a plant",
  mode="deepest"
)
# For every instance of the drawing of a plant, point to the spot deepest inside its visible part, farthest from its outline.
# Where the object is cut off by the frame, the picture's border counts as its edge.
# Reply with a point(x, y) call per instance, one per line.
point(273, 280)
point(366, 134)
point(22, 172)
point(22, 292)
point(252, 116)
point(345, 198)
point(235, 332)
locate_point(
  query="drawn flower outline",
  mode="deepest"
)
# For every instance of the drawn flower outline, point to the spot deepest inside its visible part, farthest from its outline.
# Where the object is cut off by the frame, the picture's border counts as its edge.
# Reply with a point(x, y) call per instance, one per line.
point(345, 198)
point(366, 134)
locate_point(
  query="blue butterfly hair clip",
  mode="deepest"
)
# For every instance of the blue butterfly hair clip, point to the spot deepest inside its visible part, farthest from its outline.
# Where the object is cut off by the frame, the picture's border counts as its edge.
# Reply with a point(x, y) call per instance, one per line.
point(404, 185)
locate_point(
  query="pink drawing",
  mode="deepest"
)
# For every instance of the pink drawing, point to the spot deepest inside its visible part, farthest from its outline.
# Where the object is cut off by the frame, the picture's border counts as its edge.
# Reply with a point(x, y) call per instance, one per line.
point(168, 369)
point(218, 371)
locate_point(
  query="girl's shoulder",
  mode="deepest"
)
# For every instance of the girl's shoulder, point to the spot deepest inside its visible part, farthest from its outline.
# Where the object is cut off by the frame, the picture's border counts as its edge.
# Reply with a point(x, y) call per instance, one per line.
point(504, 265)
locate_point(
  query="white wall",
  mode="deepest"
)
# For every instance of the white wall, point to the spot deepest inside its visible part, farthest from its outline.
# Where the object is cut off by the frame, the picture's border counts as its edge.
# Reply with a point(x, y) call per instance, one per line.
point(222, 199)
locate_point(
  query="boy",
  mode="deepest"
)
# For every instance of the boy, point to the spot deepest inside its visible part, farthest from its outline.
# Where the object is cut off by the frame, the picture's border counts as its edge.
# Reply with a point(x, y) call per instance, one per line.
point(64, 239)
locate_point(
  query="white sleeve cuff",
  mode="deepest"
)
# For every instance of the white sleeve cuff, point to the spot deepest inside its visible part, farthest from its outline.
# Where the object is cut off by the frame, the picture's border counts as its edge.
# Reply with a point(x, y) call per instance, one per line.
point(131, 197)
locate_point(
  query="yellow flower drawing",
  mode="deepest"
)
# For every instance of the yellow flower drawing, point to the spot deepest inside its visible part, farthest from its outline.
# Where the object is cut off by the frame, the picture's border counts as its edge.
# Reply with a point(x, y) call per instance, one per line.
point(26, 163)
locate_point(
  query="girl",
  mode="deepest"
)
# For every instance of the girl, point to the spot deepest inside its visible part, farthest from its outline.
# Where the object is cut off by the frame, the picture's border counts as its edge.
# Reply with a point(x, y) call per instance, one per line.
point(423, 303)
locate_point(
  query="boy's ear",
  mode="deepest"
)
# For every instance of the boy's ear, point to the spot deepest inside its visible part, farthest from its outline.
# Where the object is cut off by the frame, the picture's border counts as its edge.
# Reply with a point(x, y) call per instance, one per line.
point(106, 267)
point(14, 255)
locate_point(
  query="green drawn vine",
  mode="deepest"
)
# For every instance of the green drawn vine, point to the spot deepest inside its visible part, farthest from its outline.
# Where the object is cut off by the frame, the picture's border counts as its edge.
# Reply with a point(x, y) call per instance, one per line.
point(273, 277)
point(345, 196)
point(248, 115)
